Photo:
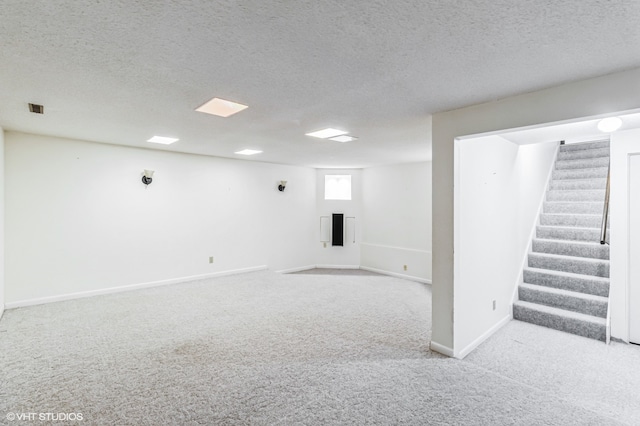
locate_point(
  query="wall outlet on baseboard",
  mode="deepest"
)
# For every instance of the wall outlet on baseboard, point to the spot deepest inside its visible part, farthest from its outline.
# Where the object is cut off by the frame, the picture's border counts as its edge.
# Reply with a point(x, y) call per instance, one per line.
point(494, 305)
point(210, 259)
point(405, 267)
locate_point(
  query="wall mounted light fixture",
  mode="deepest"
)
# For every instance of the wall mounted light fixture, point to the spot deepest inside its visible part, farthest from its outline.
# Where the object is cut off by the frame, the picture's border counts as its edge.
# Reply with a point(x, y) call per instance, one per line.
point(147, 177)
point(283, 184)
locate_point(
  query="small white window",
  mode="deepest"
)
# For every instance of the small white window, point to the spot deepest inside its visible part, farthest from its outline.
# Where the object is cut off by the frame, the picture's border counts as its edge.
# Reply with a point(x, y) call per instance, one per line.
point(337, 187)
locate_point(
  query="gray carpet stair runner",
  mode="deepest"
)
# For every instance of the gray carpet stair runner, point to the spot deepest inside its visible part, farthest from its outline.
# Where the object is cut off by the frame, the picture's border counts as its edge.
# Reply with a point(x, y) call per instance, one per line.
point(566, 283)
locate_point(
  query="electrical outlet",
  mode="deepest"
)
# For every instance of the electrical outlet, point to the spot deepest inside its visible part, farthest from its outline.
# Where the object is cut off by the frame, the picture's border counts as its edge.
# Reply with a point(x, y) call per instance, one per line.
point(405, 267)
point(494, 305)
point(210, 259)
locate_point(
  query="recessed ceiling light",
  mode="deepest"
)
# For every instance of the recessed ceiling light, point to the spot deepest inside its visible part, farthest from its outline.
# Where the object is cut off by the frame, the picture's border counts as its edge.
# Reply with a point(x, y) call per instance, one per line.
point(221, 107)
point(609, 124)
point(248, 152)
point(327, 133)
point(343, 138)
point(163, 140)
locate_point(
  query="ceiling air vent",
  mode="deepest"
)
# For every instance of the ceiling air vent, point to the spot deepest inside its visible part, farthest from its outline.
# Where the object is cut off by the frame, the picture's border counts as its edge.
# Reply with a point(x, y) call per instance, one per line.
point(36, 109)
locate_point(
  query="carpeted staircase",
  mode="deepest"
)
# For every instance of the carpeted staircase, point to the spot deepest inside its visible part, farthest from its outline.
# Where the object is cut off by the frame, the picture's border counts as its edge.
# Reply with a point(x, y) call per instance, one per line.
point(566, 283)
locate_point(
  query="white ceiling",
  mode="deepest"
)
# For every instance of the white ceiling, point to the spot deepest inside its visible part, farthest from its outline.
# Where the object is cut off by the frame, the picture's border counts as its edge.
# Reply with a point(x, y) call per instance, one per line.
point(121, 71)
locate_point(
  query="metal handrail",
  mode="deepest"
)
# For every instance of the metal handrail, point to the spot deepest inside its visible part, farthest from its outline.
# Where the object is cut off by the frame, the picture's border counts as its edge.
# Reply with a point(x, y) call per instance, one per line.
point(605, 213)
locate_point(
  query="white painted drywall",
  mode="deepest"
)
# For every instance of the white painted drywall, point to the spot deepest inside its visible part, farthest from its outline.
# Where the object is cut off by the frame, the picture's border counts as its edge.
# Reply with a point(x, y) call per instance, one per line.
point(2, 179)
point(486, 209)
point(78, 217)
point(534, 164)
point(397, 219)
point(623, 144)
point(499, 186)
point(348, 255)
point(614, 92)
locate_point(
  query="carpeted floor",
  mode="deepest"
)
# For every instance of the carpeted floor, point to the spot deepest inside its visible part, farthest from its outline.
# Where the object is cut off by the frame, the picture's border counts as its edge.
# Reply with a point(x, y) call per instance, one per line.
point(264, 348)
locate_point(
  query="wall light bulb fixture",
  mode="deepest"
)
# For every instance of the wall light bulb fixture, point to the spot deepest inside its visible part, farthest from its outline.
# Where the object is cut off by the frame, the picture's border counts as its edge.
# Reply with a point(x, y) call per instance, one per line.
point(147, 176)
point(283, 184)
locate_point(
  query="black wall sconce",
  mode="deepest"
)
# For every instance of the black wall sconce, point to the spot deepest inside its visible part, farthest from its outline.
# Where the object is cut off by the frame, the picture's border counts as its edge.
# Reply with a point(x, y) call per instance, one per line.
point(147, 177)
point(283, 184)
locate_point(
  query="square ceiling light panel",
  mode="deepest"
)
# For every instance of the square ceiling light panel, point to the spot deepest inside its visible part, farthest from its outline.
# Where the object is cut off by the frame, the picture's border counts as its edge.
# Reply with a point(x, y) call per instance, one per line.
point(163, 140)
point(327, 133)
point(248, 152)
point(221, 107)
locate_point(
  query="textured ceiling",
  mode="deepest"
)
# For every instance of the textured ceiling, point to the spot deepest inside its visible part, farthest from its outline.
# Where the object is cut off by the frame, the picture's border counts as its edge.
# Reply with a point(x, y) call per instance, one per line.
point(121, 71)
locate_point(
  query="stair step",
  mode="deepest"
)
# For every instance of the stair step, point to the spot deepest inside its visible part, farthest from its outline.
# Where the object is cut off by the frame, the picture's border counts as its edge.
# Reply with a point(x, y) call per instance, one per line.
point(584, 153)
point(582, 163)
point(560, 319)
point(579, 220)
point(568, 233)
point(571, 248)
point(597, 286)
point(584, 145)
point(576, 265)
point(568, 184)
point(587, 304)
point(591, 173)
point(574, 207)
point(576, 195)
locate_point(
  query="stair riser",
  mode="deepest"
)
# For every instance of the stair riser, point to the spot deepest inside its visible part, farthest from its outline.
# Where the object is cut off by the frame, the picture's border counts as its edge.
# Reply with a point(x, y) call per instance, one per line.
point(574, 234)
point(573, 207)
point(598, 251)
point(596, 268)
point(580, 285)
point(576, 195)
point(586, 163)
point(581, 221)
point(569, 325)
point(584, 146)
point(575, 304)
point(573, 184)
point(596, 173)
point(584, 153)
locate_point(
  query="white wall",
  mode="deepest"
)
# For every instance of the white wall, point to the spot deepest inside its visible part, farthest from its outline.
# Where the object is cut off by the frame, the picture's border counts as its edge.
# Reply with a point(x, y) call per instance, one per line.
point(347, 256)
point(486, 209)
point(534, 164)
point(614, 92)
point(499, 189)
point(622, 145)
point(397, 220)
point(79, 219)
point(2, 179)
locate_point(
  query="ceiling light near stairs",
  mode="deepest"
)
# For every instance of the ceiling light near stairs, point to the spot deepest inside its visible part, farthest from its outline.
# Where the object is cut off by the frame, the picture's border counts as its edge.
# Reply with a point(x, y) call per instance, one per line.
point(609, 124)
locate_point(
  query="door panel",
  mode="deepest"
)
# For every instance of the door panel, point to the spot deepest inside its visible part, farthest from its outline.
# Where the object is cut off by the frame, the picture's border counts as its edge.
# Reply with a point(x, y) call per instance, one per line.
point(634, 248)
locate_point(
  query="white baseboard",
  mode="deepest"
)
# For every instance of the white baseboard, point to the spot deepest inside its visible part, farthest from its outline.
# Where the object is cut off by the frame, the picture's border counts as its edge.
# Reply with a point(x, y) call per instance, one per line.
point(298, 269)
point(397, 275)
point(442, 349)
point(131, 287)
point(466, 351)
point(338, 266)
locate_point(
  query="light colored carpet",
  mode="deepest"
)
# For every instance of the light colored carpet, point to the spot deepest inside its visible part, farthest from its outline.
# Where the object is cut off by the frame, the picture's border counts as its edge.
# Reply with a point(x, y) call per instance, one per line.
point(264, 349)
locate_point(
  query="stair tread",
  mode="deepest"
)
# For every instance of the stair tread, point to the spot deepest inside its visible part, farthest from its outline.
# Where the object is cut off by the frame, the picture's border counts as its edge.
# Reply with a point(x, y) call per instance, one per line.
point(572, 214)
point(603, 280)
point(568, 227)
point(562, 312)
point(563, 256)
point(562, 292)
point(573, 242)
